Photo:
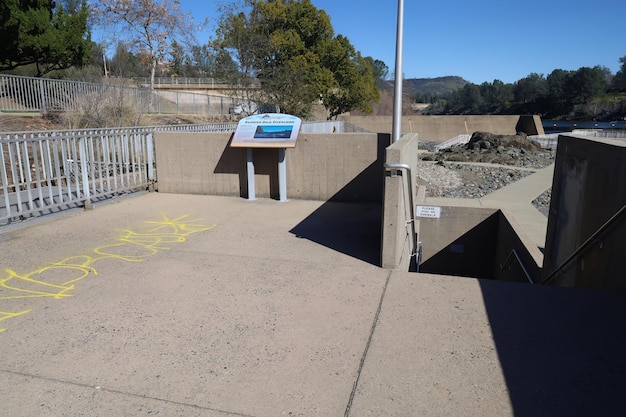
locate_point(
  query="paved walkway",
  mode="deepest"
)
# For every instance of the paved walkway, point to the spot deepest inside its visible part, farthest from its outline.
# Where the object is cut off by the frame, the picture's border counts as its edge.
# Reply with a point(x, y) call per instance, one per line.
point(516, 198)
point(182, 306)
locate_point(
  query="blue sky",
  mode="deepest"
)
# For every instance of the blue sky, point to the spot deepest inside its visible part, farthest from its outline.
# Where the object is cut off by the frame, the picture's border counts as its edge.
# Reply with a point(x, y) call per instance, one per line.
point(479, 40)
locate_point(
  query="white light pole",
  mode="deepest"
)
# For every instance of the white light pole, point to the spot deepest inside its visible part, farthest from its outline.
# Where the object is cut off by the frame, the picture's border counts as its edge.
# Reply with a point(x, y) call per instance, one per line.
point(397, 102)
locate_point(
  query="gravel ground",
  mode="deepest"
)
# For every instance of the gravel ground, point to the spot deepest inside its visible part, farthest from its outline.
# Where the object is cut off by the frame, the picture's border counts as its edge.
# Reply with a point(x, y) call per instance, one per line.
point(457, 179)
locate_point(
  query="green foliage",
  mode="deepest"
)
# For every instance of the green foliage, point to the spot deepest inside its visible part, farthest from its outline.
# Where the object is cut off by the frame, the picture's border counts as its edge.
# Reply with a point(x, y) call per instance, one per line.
point(290, 49)
point(530, 88)
point(43, 35)
point(560, 93)
point(125, 64)
point(619, 81)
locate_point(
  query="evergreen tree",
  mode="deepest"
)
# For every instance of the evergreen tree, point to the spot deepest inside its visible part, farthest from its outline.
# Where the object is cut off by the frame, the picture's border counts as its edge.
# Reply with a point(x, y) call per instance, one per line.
point(619, 81)
point(43, 33)
point(289, 48)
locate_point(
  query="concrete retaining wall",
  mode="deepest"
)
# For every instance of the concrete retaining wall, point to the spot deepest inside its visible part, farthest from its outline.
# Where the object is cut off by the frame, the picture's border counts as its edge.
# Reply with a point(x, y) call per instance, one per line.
point(441, 128)
point(588, 189)
point(342, 167)
point(478, 243)
point(397, 242)
point(461, 242)
point(517, 257)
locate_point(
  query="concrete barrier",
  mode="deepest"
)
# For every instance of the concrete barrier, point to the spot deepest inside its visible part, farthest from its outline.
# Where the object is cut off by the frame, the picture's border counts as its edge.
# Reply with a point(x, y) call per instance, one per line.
point(397, 242)
point(340, 167)
point(587, 221)
point(441, 128)
point(479, 243)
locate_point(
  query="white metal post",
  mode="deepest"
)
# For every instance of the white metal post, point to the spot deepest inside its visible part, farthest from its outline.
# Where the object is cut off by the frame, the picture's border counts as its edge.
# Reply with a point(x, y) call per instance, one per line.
point(250, 169)
point(397, 103)
point(282, 174)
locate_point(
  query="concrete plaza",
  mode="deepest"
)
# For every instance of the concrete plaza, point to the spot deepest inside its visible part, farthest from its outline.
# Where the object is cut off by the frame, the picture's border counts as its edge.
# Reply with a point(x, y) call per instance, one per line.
point(188, 305)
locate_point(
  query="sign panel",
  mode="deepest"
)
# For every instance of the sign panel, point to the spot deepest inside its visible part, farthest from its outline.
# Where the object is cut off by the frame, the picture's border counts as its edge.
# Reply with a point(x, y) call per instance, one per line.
point(272, 130)
point(427, 211)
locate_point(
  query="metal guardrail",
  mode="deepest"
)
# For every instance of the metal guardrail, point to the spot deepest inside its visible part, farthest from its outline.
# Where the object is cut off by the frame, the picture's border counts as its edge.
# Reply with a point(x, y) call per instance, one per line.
point(44, 171)
point(551, 140)
point(30, 94)
point(203, 81)
point(509, 260)
point(587, 244)
point(547, 141)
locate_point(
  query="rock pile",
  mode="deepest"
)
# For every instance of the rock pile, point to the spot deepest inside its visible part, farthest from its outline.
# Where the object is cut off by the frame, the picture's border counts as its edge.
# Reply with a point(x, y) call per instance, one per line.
point(516, 150)
point(485, 164)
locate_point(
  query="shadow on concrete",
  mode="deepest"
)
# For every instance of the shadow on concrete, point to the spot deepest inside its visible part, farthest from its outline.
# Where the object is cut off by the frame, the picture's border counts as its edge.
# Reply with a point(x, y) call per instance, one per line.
point(562, 351)
point(349, 228)
point(473, 254)
point(233, 161)
point(350, 221)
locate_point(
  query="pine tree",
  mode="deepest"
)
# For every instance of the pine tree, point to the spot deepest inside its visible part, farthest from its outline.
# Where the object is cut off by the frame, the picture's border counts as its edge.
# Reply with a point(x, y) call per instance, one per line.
point(44, 34)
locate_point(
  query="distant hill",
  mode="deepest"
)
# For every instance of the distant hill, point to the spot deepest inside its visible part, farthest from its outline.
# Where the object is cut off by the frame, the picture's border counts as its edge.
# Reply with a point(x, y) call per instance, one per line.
point(413, 87)
point(438, 85)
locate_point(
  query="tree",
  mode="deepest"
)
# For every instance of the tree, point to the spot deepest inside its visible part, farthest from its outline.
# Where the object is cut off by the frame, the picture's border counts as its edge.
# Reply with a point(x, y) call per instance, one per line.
point(586, 83)
point(126, 64)
point(530, 88)
point(150, 26)
point(381, 70)
point(496, 96)
point(235, 52)
point(471, 99)
point(42, 33)
point(289, 49)
point(619, 81)
point(356, 86)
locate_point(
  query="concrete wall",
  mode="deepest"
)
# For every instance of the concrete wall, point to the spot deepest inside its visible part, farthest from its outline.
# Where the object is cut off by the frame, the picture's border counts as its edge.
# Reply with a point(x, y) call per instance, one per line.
point(341, 167)
point(589, 187)
point(397, 242)
point(517, 257)
point(441, 128)
point(462, 242)
point(478, 243)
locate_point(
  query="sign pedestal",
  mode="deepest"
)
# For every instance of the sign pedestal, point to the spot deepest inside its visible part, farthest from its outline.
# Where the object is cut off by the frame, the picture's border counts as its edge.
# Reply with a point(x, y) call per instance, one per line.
point(279, 131)
point(282, 174)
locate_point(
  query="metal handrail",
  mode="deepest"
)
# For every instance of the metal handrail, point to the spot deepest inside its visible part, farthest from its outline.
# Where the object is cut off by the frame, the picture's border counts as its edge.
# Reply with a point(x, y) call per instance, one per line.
point(395, 169)
point(586, 244)
point(515, 255)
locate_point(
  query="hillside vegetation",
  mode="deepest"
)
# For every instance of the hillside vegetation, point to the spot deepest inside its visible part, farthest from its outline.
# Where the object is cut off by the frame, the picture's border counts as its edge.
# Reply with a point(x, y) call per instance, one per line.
point(587, 93)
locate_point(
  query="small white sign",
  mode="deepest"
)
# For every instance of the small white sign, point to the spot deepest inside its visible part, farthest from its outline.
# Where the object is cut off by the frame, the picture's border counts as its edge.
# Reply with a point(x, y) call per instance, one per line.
point(428, 211)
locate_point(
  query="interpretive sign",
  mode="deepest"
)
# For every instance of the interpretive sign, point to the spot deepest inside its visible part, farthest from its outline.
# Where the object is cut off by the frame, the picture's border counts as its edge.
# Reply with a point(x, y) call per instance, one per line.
point(427, 211)
point(271, 130)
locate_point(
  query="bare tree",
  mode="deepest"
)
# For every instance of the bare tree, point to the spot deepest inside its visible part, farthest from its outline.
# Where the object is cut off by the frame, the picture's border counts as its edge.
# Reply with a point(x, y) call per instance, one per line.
point(150, 26)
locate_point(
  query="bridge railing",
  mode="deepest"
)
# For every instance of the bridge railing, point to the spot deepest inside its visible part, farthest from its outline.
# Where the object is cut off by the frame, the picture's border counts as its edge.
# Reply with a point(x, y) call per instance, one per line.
point(30, 94)
point(203, 81)
point(46, 171)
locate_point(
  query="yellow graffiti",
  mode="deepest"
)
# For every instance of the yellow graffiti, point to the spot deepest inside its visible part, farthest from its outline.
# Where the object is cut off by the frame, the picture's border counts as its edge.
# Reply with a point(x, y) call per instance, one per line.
point(6, 315)
point(57, 279)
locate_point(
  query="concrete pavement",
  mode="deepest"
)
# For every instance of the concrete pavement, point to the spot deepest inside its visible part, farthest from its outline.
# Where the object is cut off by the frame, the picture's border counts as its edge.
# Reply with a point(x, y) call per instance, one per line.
point(182, 305)
point(517, 199)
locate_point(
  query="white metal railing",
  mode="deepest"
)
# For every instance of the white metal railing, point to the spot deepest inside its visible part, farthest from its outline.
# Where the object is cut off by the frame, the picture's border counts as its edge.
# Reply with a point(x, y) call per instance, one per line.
point(30, 94)
point(203, 81)
point(44, 171)
point(457, 140)
point(550, 141)
point(547, 141)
